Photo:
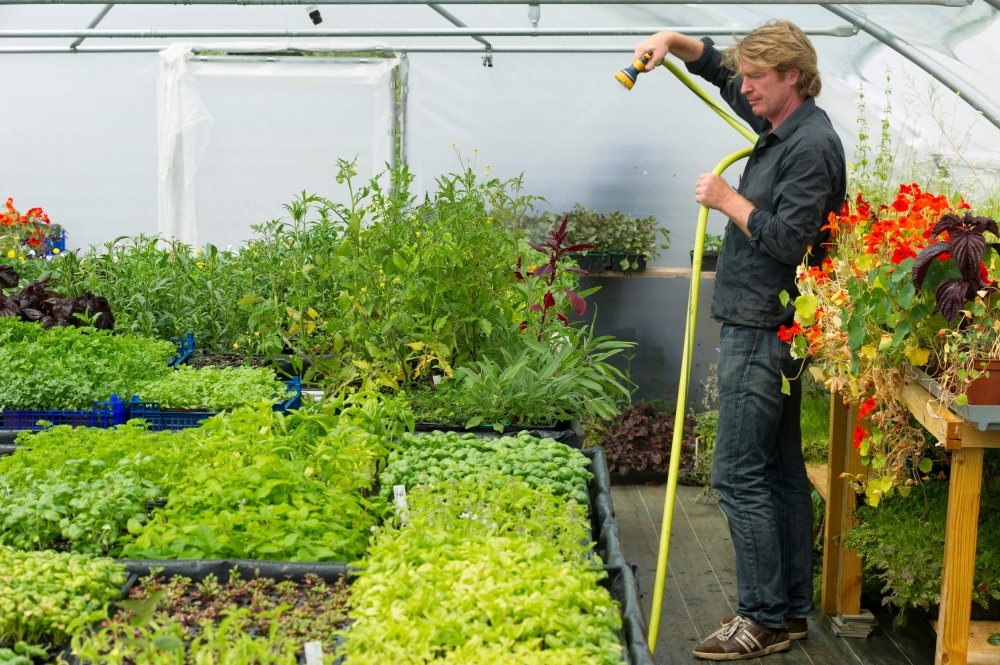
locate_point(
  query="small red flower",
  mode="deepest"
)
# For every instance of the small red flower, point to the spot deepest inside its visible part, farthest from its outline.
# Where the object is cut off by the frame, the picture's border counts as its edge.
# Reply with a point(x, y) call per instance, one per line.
point(984, 274)
point(859, 435)
point(866, 407)
point(786, 334)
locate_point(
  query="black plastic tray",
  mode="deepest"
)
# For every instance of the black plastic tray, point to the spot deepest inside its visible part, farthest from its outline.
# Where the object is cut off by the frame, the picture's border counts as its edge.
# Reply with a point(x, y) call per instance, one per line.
point(622, 585)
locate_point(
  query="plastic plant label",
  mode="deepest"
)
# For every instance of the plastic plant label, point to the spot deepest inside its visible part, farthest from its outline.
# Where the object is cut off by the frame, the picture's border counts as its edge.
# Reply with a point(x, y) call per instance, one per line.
point(399, 495)
point(314, 653)
point(437, 379)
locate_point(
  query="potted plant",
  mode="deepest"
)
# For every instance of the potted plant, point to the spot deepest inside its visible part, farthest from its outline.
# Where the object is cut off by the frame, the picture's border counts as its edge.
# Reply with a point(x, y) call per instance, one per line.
point(710, 255)
point(619, 242)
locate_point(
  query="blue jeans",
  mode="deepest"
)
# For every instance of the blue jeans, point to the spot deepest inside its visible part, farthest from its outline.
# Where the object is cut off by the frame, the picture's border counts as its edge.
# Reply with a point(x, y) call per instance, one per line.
point(760, 475)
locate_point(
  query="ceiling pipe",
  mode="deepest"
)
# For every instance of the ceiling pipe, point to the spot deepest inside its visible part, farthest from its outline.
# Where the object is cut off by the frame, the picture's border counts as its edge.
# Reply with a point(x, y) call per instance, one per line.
point(129, 33)
point(93, 24)
point(455, 21)
point(240, 3)
point(956, 84)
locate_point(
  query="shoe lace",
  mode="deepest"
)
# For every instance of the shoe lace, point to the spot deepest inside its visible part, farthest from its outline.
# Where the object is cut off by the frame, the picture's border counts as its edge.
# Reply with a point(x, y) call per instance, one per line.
point(732, 628)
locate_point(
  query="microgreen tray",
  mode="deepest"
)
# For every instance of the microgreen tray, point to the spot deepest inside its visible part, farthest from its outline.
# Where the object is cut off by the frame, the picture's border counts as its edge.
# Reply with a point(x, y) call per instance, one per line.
point(165, 419)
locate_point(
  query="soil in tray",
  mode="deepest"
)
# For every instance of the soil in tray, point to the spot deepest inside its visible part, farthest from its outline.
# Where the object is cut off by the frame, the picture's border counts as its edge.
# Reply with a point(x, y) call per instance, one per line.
point(225, 360)
point(317, 609)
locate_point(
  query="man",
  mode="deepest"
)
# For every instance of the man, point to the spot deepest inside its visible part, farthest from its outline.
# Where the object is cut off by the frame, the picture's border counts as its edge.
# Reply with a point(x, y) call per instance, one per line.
point(793, 180)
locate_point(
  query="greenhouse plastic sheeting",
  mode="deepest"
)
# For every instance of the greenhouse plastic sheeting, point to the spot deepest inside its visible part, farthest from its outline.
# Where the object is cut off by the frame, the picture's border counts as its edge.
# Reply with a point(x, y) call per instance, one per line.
point(264, 131)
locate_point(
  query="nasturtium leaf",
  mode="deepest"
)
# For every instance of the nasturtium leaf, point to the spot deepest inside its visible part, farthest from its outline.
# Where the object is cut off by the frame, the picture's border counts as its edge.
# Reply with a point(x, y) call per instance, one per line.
point(786, 387)
point(917, 356)
point(784, 298)
point(805, 309)
point(962, 400)
point(925, 465)
point(994, 640)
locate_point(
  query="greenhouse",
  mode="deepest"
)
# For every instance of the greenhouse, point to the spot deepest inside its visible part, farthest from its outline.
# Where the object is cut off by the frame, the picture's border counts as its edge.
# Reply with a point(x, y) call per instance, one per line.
point(350, 332)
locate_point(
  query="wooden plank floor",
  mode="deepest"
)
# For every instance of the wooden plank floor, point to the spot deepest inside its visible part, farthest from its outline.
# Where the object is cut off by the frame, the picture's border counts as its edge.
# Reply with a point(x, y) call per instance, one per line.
point(701, 587)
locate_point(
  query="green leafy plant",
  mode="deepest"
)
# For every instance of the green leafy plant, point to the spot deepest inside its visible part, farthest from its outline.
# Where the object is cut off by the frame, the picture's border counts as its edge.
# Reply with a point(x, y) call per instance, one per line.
point(544, 382)
point(46, 596)
point(213, 389)
point(85, 516)
point(713, 244)
point(615, 233)
point(508, 584)
point(71, 368)
point(304, 612)
point(428, 459)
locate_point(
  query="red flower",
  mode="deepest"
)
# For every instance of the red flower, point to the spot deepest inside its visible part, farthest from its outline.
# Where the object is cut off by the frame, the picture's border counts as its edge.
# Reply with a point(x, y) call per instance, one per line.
point(984, 274)
point(786, 334)
point(903, 253)
point(901, 204)
point(963, 205)
point(859, 435)
point(944, 256)
point(866, 407)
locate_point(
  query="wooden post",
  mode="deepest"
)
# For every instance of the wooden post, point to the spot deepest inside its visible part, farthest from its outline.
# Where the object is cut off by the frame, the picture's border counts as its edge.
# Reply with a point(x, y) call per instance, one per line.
point(959, 556)
point(849, 592)
point(836, 488)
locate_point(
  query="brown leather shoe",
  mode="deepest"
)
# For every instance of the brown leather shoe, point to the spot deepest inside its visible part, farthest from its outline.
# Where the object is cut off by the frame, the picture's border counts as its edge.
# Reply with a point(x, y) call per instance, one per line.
point(798, 629)
point(742, 638)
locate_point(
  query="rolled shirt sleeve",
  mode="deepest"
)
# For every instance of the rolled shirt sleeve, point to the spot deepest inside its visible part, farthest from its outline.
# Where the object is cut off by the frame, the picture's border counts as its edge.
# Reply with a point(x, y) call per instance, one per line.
point(709, 66)
point(801, 190)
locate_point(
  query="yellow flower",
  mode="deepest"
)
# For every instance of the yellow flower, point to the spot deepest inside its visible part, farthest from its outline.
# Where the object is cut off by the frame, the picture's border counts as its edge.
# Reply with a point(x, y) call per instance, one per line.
point(396, 280)
point(418, 234)
point(256, 334)
point(452, 144)
point(532, 267)
point(363, 289)
point(200, 264)
point(55, 250)
point(22, 259)
point(236, 345)
point(382, 285)
point(11, 254)
point(412, 217)
point(381, 272)
point(197, 252)
point(354, 169)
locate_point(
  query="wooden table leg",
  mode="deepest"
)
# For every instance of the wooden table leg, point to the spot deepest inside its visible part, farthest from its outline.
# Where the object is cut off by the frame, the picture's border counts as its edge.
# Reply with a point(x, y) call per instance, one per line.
point(849, 595)
point(834, 520)
point(959, 556)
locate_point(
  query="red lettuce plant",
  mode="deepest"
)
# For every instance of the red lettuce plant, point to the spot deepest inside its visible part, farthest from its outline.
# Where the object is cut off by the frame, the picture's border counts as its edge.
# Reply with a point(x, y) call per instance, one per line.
point(34, 303)
point(964, 242)
point(554, 248)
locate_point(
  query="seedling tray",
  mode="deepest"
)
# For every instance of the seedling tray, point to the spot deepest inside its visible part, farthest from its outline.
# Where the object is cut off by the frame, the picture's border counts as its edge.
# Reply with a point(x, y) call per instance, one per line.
point(165, 419)
point(985, 418)
point(568, 432)
point(103, 415)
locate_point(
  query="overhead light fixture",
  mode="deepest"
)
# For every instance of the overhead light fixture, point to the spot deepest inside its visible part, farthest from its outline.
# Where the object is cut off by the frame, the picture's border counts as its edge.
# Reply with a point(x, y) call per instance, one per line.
point(534, 13)
point(314, 14)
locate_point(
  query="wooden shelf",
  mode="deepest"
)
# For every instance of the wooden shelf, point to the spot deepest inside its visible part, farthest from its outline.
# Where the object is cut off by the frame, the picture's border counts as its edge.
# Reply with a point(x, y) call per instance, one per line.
point(658, 272)
point(817, 476)
point(981, 652)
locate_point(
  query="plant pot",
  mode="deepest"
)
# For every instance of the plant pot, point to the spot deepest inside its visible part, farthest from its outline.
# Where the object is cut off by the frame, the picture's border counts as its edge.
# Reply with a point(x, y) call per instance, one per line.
point(985, 391)
point(709, 260)
point(639, 260)
point(592, 262)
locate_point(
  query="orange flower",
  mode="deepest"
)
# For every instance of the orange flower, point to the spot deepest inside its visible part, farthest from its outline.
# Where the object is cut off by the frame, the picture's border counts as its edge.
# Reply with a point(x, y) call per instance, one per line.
point(786, 334)
point(859, 435)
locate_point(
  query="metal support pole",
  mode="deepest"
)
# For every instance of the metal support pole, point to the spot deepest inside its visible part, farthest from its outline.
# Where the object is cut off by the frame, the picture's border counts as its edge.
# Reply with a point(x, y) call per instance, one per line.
point(404, 98)
point(465, 31)
point(455, 21)
point(93, 24)
point(971, 95)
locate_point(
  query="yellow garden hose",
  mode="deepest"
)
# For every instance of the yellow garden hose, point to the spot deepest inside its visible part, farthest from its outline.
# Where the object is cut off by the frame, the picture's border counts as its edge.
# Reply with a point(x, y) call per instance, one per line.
point(687, 357)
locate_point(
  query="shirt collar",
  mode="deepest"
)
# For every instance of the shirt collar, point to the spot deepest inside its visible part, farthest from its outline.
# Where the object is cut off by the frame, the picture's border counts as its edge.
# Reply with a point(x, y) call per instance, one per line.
point(786, 128)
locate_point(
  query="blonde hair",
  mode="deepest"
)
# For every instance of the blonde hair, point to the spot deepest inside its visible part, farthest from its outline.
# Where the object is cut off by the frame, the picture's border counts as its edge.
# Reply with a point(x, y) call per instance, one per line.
point(778, 45)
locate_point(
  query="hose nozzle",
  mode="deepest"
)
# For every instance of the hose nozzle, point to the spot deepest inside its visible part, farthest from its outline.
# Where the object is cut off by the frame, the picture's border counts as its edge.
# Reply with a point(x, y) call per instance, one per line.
point(628, 75)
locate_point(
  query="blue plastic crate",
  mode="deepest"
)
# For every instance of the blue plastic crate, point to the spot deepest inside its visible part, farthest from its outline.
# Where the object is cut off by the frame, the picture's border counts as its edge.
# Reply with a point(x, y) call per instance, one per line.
point(103, 415)
point(185, 347)
point(161, 419)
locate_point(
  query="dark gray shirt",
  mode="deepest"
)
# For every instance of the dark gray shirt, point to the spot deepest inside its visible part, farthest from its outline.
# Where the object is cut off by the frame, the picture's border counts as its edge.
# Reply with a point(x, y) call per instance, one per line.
point(795, 178)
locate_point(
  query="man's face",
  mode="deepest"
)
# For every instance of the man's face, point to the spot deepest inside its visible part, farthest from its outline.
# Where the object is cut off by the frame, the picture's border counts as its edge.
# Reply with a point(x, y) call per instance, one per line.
point(768, 91)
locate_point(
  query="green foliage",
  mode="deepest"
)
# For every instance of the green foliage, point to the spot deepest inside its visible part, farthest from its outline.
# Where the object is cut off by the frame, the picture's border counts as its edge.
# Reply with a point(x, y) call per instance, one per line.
point(160, 642)
point(544, 382)
point(89, 516)
point(71, 368)
point(21, 654)
point(815, 420)
point(251, 483)
point(486, 571)
point(212, 388)
point(45, 596)
point(258, 484)
point(429, 459)
point(902, 544)
point(713, 244)
point(608, 233)
point(306, 612)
